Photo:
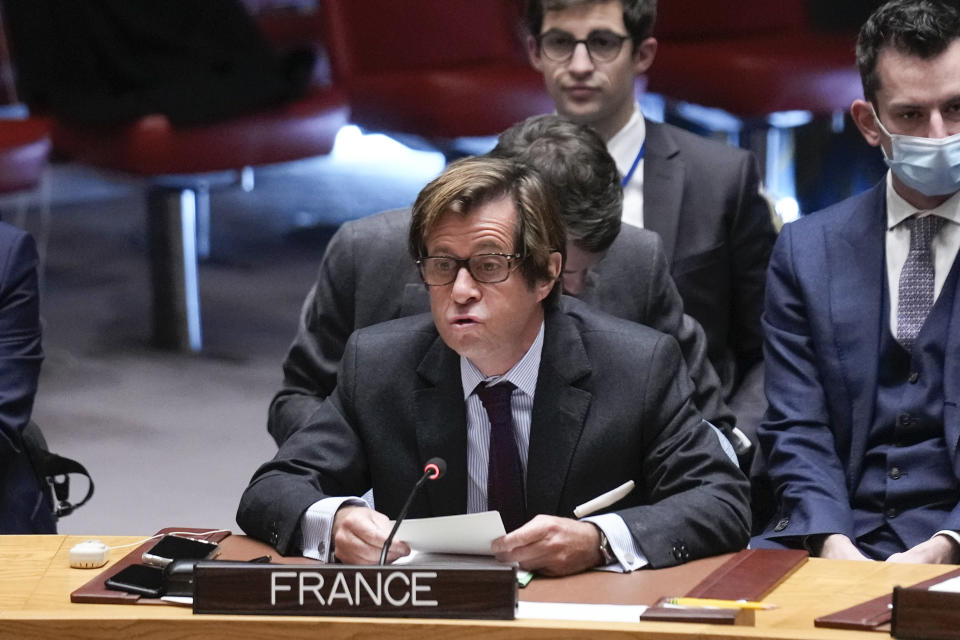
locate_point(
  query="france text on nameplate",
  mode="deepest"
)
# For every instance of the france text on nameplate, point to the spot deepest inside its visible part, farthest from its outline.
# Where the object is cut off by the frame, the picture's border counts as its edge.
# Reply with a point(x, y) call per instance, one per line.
point(421, 591)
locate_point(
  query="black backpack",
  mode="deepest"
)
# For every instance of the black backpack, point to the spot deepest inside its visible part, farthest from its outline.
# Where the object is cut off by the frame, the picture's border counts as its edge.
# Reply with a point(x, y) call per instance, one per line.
point(53, 472)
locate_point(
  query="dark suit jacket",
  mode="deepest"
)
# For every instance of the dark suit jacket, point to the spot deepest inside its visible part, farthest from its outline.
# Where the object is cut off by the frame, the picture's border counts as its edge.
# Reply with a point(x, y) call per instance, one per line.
point(703, 199)
point(823, 318)
point(612, 404)
point(367, 277)
point(23, 507)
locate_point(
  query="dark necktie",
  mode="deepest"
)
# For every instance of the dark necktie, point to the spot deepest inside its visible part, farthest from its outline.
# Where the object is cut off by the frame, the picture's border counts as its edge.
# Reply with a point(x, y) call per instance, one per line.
point(505, 474)
point(916, 279)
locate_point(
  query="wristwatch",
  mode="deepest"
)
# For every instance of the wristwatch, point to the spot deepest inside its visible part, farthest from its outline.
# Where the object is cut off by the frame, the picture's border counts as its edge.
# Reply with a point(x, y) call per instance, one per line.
point(606, 551)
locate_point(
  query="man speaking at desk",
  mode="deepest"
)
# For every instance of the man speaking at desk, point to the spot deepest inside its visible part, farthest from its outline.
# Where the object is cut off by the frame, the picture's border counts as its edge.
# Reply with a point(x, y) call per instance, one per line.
point(536, 402)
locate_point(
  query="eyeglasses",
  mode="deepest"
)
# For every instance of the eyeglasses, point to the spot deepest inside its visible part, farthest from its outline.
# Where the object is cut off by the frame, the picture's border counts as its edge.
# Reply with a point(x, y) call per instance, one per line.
point(602, 45)
point(487, 268)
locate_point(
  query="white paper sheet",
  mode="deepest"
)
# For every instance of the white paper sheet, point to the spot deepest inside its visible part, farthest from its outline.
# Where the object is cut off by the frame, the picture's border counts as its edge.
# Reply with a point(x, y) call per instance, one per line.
point(471, 533)
point(951, 586)
point(576, 611)
point(444, 559)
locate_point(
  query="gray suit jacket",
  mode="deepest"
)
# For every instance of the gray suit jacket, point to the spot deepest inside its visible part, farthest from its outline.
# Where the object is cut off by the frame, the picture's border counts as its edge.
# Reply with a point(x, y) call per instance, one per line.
point(612, 404)
point(703, 199)
point(367, 277)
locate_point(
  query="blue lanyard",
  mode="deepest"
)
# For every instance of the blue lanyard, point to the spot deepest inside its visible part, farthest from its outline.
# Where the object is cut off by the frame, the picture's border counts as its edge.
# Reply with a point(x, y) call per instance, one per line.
point(626, 178)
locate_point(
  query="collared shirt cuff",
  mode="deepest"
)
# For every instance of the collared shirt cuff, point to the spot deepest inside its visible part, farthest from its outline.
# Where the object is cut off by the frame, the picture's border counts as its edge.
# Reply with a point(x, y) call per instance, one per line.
point(316, 527)
point(725, 444)
point(953, 535)
point(629, 557)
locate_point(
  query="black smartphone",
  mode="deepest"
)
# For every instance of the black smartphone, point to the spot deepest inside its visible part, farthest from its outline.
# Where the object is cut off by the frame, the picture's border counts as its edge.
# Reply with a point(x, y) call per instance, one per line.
point(139, 579)
point(171, 547)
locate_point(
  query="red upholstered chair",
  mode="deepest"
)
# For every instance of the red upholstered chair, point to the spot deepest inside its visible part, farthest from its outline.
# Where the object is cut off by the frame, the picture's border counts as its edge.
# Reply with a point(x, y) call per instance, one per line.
point(24, 151)
point(439, 69)
point(752, 58)
point(179, 164)
point(24, 148)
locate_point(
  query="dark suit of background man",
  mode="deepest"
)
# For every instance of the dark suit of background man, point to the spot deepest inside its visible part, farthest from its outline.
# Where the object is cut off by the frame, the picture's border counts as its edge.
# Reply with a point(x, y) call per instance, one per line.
point(700, 196)
point(367, 276)
point(23, 506)
point(595, 401)
point(861, 320)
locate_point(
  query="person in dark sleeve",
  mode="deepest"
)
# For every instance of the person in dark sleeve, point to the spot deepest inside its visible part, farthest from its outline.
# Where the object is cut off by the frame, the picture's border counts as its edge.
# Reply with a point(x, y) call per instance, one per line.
point(24, 506)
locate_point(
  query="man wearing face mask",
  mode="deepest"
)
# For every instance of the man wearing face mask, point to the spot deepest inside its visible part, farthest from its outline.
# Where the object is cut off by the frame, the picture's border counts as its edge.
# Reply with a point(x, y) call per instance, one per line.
point(862, 320)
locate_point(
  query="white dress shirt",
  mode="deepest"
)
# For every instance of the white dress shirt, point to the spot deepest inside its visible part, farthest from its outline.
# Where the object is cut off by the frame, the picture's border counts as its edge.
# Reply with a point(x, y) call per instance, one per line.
point(624, 147)
point(943, 249)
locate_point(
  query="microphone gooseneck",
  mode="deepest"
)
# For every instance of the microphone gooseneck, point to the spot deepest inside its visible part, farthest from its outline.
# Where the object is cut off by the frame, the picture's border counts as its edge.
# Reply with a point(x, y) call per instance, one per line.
point(433, 470)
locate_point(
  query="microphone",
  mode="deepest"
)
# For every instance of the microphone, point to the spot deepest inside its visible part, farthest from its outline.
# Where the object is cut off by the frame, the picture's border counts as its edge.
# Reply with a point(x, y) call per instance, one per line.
point(433, 470)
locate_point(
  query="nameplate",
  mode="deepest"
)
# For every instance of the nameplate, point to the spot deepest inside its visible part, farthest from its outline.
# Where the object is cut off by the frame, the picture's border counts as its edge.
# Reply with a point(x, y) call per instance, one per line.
point(408, 591)
point(922, 614)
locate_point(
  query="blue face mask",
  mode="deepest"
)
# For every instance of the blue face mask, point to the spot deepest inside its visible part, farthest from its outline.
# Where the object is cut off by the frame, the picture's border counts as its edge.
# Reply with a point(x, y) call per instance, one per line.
point(929, 165)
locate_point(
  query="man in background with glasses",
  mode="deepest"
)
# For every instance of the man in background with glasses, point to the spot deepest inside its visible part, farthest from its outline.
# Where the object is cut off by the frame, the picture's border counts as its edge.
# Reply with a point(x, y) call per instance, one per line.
point(536, 402)
point(700, 196)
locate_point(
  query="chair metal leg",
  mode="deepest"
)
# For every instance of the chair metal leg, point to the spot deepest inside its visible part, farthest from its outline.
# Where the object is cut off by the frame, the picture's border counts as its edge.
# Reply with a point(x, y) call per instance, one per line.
point(172, 234)
point(43, 235)
point(203, 221)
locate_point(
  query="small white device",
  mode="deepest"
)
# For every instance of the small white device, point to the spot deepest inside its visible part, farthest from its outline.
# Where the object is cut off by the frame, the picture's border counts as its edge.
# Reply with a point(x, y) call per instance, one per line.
point(88, 555)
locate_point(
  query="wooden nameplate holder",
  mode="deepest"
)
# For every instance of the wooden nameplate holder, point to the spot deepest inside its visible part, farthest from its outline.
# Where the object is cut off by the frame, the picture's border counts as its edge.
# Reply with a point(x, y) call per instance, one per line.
point(876, 614)
point(412, 591)
point(487, 591)
point(748, 575)
point(924, 614)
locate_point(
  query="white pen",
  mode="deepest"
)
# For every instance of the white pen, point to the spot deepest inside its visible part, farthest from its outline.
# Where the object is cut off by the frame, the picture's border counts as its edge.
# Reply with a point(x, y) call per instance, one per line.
point(604, 500)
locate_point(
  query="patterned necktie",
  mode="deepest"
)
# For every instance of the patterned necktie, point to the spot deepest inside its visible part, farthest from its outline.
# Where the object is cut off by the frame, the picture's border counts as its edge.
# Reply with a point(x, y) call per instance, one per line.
point(916, 279)
point(504, 475)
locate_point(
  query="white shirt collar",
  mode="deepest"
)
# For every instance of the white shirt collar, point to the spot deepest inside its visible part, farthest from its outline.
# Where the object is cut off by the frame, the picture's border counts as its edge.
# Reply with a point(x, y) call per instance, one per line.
point(523, 374)
point(899, 209)
point(625, 144)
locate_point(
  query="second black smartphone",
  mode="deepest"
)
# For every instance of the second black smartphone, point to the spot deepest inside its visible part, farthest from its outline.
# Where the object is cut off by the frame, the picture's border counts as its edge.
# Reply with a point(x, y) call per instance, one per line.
point(139, 579)
point(171, 547)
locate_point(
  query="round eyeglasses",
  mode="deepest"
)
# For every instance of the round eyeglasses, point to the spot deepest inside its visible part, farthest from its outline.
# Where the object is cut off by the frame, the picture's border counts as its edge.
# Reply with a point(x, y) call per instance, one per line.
point(487, 268)
point(602, 45)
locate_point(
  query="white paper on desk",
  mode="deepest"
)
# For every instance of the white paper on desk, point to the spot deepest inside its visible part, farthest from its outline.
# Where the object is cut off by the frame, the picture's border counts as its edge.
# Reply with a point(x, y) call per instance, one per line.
point(451, 559)
point(951, 586)
point(578, 611)
point(470, 533)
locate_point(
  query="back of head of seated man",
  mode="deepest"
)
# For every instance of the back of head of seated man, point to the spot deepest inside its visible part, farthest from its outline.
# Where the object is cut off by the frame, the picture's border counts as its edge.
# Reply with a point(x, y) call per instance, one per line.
point(701, 197)
point(581, 176)
point(366, 276)
point(614, 267)
point(593, 401)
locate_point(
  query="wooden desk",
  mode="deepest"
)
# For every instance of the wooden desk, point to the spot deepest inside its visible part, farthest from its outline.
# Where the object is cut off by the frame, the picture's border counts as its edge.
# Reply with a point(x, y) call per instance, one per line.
point(36, 581)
